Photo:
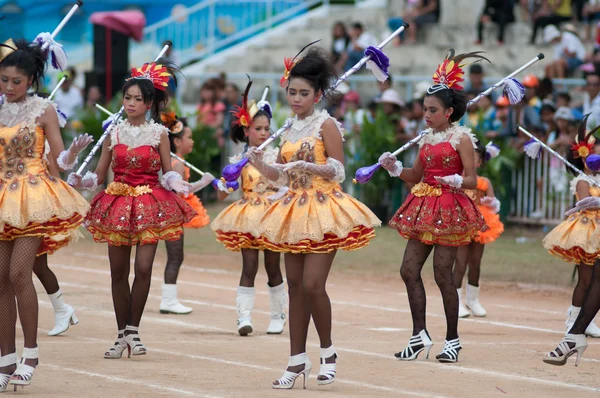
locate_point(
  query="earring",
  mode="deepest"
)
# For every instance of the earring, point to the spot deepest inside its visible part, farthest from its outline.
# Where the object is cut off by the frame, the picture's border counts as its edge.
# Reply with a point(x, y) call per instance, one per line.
point(317, 99)
point(447, 116)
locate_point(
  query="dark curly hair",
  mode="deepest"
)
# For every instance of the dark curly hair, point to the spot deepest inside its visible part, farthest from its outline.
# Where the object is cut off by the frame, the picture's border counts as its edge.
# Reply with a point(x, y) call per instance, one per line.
point(237, 132)
point(159, 98)
point(28, 59)
point(317, 69)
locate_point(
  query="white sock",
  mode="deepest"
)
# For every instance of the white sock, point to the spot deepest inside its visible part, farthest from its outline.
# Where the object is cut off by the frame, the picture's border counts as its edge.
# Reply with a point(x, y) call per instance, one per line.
point(57, 301)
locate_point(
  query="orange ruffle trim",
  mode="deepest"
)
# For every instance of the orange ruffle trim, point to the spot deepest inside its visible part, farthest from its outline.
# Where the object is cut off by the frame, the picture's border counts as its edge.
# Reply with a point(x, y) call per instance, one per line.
point(236, 241)
point(575, 255)
point(56, 232)
point(200, 220)
point(493, 222)
point(358, 238)
point(145, 237)
point(445, 240)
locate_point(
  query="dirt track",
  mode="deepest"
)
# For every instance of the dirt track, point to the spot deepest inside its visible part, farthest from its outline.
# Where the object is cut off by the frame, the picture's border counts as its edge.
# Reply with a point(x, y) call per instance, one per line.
point(201, 355)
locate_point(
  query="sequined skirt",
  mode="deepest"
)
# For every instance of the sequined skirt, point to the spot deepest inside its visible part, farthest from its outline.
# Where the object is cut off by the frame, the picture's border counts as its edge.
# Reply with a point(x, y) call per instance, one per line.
point(573, 239)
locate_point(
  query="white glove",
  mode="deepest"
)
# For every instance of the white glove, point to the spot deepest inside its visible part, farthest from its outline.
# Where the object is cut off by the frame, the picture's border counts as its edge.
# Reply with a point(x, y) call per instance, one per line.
point(454, 180)
point(89, 181)
point(255, 155)
point(205, 181)
point(389, 162)
point(332, 170)
point(174, 182)
point(68, 159)
point(585, 203)
point(492, 203)
point(223, 187)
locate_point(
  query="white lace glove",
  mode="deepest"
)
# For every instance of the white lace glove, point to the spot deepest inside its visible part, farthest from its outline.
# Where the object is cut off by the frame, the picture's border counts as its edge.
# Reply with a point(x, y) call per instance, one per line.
point(223, 187)
point(205, 181)
point(255, 156)
point(68, 159)
point(492, 203)
point(332, 170)
point(590, 202)
point(388, 161)
point(89, 181)
point(455, 181)
point(174, 182)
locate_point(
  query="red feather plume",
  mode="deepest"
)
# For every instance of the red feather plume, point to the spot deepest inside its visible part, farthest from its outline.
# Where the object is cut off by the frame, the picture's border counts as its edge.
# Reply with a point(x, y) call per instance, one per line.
point(240, 113)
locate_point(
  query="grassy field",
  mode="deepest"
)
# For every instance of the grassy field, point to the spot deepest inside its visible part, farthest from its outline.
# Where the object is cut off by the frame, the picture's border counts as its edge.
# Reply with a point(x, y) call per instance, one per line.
point(504, 260)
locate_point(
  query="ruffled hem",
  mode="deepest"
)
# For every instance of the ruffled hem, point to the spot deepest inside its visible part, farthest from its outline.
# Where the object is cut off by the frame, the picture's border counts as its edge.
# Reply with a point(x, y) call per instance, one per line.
point(358, 238)
point(428, 238)
point(575, 233)
point(201, 219)
point(496, 228)
point(575, 255)
point(236, 241)
point(146, 237)
point(56, 232)
point(242, 216)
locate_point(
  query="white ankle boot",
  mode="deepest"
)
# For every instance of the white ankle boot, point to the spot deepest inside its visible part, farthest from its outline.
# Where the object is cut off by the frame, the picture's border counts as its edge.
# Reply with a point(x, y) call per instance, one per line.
point(473, 301)
point(278, 302)
point(591, 331)
point(245, 304)
point(463, 312)
point(64, 314)
point(169, 303)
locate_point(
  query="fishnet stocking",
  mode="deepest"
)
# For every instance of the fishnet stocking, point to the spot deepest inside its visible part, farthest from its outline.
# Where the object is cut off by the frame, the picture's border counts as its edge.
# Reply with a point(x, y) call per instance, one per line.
point(584, 276)
point(591, 304)
point(119, 257)
point(415, 255)
point(250, 267)
point(144, 258)
point(470, 256)
point(443, 259)
point(174, 260)
point(45, 274)
point(8, 306)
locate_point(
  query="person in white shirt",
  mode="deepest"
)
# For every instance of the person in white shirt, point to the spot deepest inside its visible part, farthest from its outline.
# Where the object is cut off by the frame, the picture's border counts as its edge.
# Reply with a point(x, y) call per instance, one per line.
point(359, 41)
point(591, 99)
point(569, 51)
point(69, 99)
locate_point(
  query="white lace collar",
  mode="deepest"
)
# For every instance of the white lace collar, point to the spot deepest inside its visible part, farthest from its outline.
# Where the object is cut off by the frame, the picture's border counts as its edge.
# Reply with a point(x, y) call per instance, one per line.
point(310, 126)
point(26, 111)
point(135, 136)
point(574, 181)
point(452, 135)
point(269, 157)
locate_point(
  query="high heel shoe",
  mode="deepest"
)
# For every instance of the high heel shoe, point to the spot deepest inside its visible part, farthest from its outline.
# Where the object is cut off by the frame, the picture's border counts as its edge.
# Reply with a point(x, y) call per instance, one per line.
point(134, 344)
point(450, 352)
point(24, 373)
point(116, 351)
point(416, 344)
point(562, 353)
point(327, 370)
point(7, 360)
point(288, 379)
point(63, 318)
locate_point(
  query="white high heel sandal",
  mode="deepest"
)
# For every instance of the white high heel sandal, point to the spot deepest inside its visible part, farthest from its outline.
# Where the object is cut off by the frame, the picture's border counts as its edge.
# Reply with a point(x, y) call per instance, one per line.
point(134, 344)
point(416, 344)
point(450, 352)
point(563, 352)
point(116, 351)
point(7, 360)
point(24, 373)
point(288, 379)
point(327, 370)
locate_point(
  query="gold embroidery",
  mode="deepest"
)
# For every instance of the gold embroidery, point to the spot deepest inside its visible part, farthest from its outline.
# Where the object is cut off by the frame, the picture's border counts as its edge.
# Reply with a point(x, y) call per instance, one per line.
point(423, 189)
point(120, 189)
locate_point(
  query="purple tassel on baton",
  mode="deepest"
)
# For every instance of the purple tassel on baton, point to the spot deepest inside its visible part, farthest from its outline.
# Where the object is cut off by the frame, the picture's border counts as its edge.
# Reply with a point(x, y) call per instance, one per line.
point(378, 63)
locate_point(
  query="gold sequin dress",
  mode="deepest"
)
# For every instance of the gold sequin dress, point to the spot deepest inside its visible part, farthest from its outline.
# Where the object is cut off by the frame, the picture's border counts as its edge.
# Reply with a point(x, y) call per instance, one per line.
point(32, 202)
point(236, 225)
point(314, 215)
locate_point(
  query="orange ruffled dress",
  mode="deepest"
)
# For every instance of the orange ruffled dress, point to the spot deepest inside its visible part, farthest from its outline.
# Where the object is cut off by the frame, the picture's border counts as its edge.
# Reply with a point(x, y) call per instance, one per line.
point(33, 202)
point(435, 213)
point(575, 240)
point(236, 225)
point(492, 219)
point(314, 215)
point(135, 208)
point(202, 219)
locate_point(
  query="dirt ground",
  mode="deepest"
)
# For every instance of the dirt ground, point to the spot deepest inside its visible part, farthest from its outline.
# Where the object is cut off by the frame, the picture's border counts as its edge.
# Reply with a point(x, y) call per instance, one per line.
point(201, 355)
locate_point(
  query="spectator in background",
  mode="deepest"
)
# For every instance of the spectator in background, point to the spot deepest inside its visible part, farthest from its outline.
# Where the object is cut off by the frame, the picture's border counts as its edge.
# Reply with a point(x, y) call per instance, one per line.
point(591, 15)
point(93, 97)
point(569, 51)
point(426, 12)
point(359, 41)
point(339, 42)
point(553, 12)
point(528, 110)
point(211, 111)
point(391, 103)
point(499, 12)
point(591, 99)
point(69, 99)
point(500, 126)
point(563, 99)
point(233, 97)
point(475, 83)
point(547, 118)
point(383, 87)
point(560, 140)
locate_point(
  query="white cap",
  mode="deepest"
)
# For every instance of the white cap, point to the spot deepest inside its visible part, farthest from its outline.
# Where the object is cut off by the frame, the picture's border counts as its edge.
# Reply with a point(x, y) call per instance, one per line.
point(551, 32)
point(421, 89)
point(391, 96)
point(343, 88)
point(564, 113)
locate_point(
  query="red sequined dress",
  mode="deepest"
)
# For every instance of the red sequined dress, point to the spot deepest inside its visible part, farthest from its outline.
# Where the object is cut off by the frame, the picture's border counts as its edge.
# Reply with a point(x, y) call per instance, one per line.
point(135, 208)
point(434, 213)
